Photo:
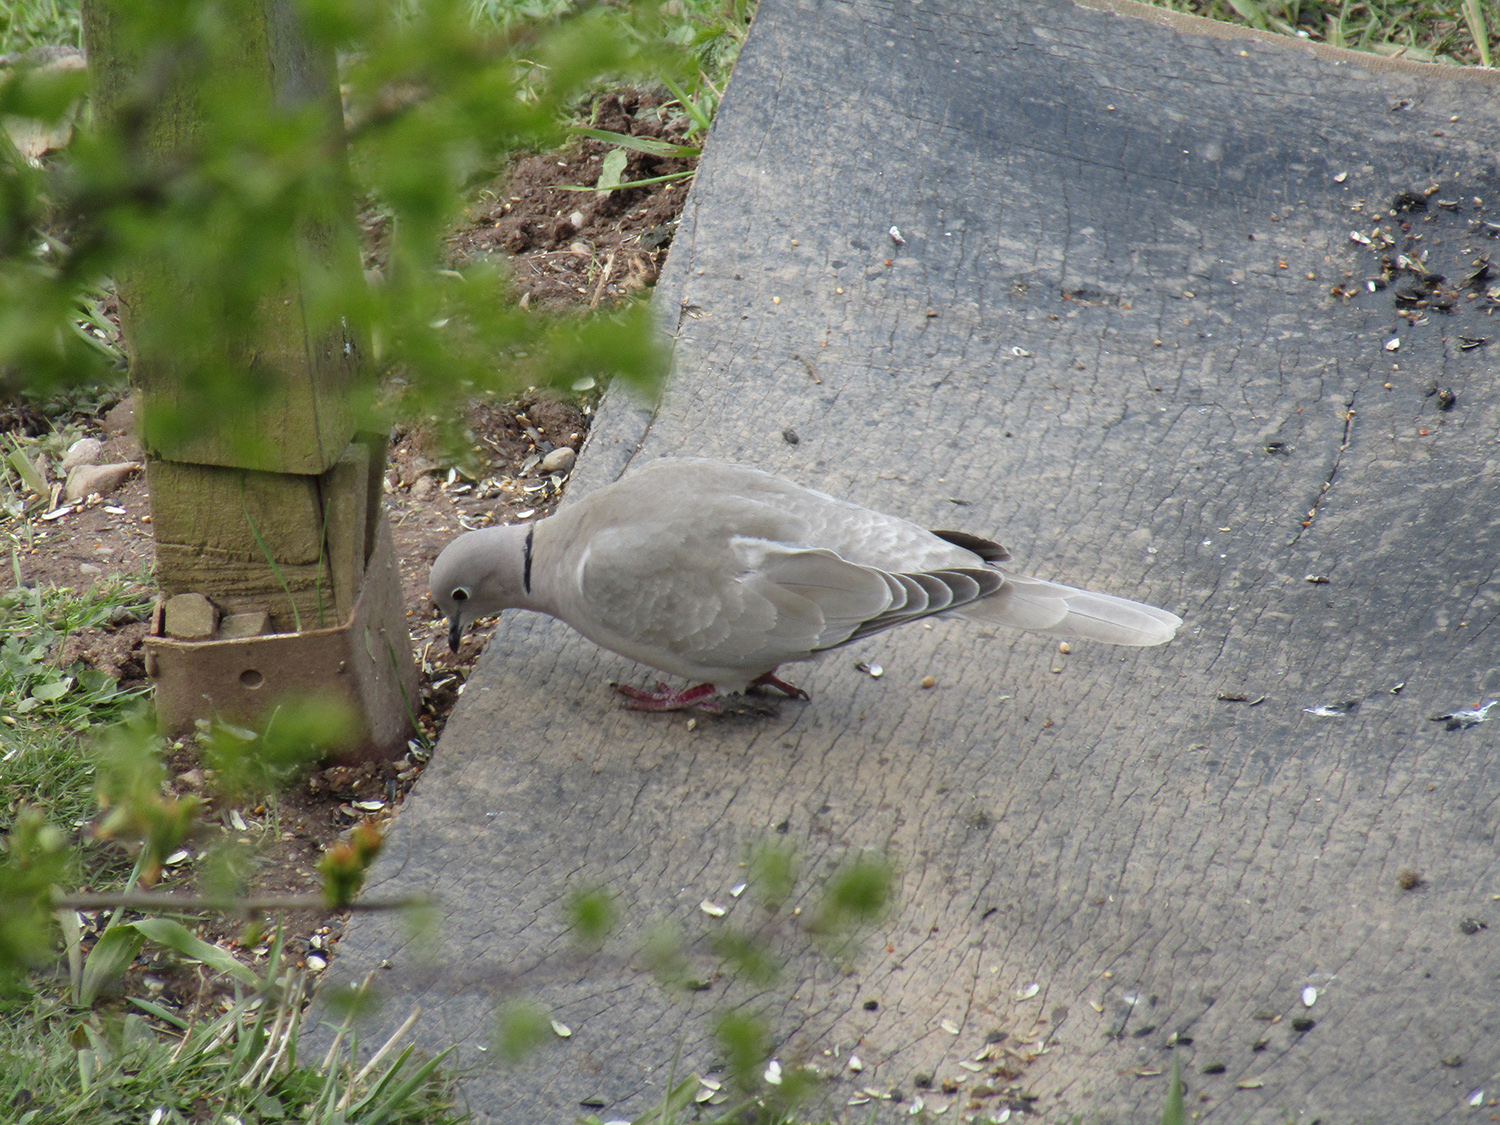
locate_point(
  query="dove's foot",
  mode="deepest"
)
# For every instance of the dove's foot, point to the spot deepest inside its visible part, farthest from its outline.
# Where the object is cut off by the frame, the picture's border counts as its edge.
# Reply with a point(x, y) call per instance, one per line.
point(770, 679)
point(665, 699)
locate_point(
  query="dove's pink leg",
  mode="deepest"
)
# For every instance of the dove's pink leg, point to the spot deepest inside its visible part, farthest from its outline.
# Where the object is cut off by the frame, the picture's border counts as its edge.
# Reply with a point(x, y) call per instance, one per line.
point(665, 699)
point(770, 679)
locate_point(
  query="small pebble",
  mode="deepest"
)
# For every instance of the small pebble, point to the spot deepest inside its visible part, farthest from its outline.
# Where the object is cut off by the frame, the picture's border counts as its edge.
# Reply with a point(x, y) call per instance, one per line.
point(560, 460)
point(84, 451)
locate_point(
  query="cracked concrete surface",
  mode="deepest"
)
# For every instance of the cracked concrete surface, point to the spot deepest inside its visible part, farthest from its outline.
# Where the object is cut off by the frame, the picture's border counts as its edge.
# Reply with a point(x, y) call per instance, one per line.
point(1109, 340)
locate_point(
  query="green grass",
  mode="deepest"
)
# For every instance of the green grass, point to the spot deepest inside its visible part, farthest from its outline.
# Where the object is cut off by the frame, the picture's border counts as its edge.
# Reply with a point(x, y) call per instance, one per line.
point(117, 1066)
point(31, 23)
point(39, 694)
point(1445, 31)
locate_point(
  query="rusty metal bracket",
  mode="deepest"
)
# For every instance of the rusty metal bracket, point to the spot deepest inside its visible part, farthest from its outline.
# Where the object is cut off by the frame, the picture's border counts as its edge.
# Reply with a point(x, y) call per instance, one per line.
point(365, 665)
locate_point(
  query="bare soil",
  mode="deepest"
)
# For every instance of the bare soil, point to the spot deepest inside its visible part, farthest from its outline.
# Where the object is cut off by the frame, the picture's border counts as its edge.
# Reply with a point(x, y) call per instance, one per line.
point(565, 250)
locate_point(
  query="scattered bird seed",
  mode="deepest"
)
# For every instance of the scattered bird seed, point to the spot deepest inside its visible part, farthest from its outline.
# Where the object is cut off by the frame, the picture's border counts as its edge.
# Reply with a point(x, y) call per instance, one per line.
point(703, 1095)
point(1309, 996)
point(182, 855)
point(712, 909)
point(1249, 1084)
point(856, 1064)
point(1393, 344)
point(561, 1030)
point(895, 233)
point(238, 821)
point(773, 1072)
point(949, 1026)
point(1316, 579)
point(737, 890)
point(1464, 719)
point(1020, 352)
point(316, 964)
point(369, 806)
point(1333, 710)
point(1029, 991)
point(973, 1067)
point(1477, 1097)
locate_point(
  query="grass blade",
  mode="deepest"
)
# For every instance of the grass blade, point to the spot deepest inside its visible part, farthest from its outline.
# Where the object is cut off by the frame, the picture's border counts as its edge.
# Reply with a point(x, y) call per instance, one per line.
point(1474, 17)
point(260, 541)
point(178, 938)
point(648, 145)
point(1175, 1112)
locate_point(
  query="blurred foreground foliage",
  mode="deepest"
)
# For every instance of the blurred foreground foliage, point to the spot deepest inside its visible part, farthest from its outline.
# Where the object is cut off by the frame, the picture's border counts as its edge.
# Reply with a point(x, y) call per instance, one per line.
point(243, 188)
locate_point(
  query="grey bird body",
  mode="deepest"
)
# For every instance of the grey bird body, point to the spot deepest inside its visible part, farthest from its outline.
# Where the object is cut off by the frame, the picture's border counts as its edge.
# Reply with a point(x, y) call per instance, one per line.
point(720, 573)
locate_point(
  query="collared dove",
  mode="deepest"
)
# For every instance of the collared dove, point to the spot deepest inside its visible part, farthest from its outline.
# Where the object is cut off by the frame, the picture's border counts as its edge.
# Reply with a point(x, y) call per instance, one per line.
point(720, 574)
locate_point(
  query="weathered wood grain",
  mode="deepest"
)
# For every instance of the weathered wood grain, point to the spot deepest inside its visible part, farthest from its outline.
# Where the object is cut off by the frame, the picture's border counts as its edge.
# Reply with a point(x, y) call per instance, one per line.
point(1108, 340)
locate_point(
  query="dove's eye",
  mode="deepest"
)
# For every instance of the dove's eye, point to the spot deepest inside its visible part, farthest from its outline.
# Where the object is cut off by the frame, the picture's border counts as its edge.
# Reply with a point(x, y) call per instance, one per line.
point(460, 594)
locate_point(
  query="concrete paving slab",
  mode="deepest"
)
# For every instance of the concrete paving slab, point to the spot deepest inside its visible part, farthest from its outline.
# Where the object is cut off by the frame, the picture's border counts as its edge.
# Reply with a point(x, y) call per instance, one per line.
point(1129, 329)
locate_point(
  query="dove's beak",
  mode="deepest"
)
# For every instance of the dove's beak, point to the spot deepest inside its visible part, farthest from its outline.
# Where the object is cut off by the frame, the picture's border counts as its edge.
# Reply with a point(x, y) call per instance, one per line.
point(455, 632)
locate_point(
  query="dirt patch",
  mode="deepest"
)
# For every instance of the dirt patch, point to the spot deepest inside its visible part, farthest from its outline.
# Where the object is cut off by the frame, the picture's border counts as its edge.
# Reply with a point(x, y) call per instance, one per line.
point(564, 250)
point(569, 248)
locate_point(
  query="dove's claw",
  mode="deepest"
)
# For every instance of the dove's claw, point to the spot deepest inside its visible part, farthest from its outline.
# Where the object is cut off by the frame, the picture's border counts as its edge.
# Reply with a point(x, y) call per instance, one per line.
point(665, 699)
point(770, 679)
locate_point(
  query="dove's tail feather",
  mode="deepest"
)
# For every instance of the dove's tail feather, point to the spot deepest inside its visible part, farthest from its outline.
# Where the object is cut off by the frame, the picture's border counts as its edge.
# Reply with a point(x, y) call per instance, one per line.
point(1049, 607)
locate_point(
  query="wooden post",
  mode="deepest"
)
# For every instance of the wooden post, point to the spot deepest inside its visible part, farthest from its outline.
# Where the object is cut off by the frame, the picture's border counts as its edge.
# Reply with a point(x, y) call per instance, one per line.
point(264, 500)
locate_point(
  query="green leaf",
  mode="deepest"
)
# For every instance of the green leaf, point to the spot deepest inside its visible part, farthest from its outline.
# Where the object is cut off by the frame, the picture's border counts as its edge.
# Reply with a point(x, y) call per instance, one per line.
point(51, 691)
point(648, 145)
point(773, 872)
point(112, 954)
point(519, 1028)
point(858, 893)
point(591, 914)
point(746, 1044)
point(612, 168)
point(178, 938)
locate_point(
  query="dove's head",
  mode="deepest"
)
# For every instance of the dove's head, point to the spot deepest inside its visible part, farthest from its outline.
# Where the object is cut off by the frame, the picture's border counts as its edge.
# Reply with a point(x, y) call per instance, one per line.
point(480, 573)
